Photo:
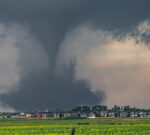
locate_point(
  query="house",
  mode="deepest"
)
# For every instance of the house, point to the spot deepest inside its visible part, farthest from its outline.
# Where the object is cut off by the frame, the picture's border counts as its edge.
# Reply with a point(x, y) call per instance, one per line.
point(91, 115)
point(22, 115)
point(44, 115)
point(134, 114)
point(141, 114)
point(28, 115)
point(56, 114)
point(74, 115)
point(49, 114)
point(66, 114)
point(123, 114)
point(111, 114)
point(15, 115)
point(39, 115)
point(103, 114)
point(145, 114)
point(83, 115)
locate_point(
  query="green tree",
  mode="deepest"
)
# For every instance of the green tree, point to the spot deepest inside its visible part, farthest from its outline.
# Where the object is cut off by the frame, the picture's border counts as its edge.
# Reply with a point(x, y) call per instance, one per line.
point(99, 108)
point(116, 108)
point(77, 109)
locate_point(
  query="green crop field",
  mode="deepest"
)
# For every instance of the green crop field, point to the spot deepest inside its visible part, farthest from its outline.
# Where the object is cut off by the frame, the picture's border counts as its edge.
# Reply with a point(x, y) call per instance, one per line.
point(101, 126)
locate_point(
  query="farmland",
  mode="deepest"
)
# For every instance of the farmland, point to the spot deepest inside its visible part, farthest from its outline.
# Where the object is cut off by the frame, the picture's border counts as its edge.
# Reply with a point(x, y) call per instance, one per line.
point(102, 126)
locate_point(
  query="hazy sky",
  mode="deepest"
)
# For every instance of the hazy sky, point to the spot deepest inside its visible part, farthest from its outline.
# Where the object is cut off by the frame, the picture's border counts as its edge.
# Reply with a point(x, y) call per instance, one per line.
point(57, 54)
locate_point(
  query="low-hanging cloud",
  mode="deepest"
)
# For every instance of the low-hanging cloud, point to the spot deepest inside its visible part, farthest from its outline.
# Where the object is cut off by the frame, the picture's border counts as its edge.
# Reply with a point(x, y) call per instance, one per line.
point(28, 81)
point(117, 64)
point(20, 53)
point(8, 59)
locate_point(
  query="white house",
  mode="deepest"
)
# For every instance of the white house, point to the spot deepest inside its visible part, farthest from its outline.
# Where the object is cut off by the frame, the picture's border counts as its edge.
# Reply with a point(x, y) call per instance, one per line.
point(123, 114)
point(83, 115)
point(28, 115)
point(91, 115)
point(67, 114)
point(103, 114)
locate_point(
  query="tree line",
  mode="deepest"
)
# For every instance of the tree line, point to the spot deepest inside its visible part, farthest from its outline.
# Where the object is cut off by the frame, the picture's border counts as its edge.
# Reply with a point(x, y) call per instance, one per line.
point(115, 108)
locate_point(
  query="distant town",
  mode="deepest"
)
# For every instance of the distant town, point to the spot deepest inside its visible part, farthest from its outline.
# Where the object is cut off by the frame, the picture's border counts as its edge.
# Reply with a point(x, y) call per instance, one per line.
point(96, 111)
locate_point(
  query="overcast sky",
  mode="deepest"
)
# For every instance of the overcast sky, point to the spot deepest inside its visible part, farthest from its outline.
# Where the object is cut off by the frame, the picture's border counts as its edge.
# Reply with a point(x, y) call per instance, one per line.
point(56, 54)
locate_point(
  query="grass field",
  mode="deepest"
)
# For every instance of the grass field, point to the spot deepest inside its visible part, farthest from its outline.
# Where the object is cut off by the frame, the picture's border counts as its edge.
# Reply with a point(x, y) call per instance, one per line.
point(102, 126)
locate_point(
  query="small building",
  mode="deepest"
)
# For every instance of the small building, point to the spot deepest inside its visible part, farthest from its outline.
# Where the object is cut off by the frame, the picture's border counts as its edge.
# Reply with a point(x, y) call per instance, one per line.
point(123, 114)
point(141, 114)
point(44, 115)
point(22, 115)
point(91, 115)
point(83, 115)
point(111, 114)
point(66, 114)
point(57, 115)
point(134, 114)
point(74, 115)
point(28, 115)
point(49, 115)
point(103, 114)
point(145, 114)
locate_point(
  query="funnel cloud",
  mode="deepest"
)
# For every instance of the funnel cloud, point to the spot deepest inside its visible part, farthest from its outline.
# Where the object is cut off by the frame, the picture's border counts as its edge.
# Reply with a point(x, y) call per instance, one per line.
point(56, 54)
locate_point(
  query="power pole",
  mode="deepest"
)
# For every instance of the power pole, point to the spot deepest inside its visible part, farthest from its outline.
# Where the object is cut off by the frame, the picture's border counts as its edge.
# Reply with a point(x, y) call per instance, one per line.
point(72, 131)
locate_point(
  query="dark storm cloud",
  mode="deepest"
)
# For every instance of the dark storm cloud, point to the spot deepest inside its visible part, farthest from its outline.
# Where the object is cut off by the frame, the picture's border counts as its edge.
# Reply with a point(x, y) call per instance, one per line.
point(49, 21)
point(51, 93)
